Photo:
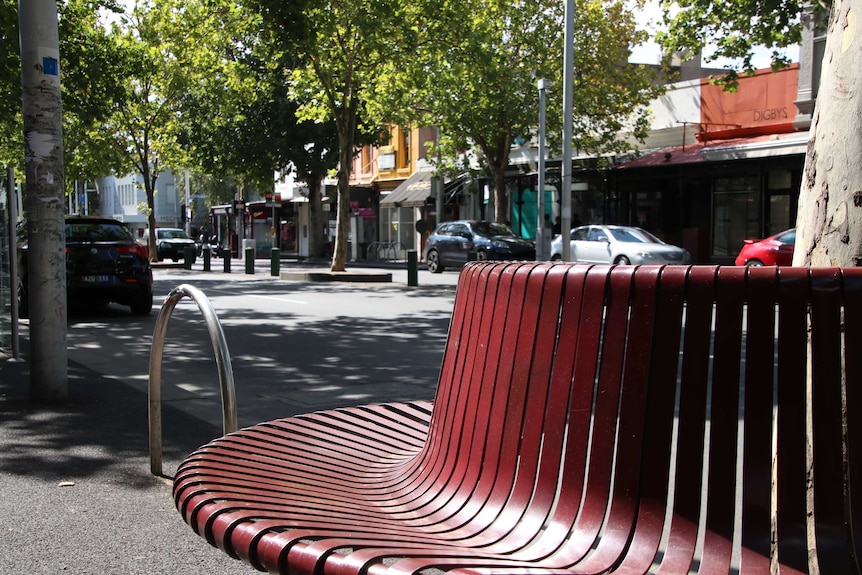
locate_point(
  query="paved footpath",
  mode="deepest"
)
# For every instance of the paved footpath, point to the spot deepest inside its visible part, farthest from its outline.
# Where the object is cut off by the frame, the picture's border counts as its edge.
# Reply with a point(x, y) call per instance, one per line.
point(77, 495)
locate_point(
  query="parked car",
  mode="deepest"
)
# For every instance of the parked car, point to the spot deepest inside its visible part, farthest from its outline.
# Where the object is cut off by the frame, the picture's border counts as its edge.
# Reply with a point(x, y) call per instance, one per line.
point(775, 250)
point(104, 264)
point(618, 245)
point(452, 242)
point(171, 243)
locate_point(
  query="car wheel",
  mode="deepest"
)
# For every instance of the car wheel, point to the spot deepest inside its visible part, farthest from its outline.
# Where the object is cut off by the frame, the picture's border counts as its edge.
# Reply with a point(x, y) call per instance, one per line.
point(143, 305)
point(623, 261)
point(754, 263)
point(432, 260)
point(482, 256)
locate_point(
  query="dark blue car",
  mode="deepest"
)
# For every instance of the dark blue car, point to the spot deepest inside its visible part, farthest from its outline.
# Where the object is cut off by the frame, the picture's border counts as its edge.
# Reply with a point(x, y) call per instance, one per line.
point(452, 242)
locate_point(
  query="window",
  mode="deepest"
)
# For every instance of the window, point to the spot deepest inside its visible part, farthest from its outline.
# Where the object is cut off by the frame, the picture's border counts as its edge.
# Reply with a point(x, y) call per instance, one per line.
point(596, 235)
point(735, 214)
point(580, 233)
point(405, 148)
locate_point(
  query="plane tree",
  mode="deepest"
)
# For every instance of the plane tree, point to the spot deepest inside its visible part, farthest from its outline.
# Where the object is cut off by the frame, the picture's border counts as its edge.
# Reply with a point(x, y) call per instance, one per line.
point(477, 79)
point(175, 51)
point(92, 81)
point(250, 127)
point(829, 216)
point(342, 48)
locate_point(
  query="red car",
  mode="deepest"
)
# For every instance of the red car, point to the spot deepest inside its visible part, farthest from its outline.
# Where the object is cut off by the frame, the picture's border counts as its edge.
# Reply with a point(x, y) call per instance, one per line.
point(775, 250)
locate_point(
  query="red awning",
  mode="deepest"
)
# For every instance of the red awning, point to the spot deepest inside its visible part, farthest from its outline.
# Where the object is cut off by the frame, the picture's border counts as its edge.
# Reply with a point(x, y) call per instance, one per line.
point(723, 150)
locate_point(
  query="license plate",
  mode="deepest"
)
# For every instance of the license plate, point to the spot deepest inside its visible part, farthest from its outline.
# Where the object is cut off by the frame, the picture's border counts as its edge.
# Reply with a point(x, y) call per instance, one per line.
point(96, 279)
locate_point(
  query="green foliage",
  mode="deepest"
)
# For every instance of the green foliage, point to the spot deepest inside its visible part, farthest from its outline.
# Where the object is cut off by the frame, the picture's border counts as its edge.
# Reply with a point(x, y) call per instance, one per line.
point(11, 144)
point(475, 76)
point(734, 28)
point(342, 46)
point(91, 84)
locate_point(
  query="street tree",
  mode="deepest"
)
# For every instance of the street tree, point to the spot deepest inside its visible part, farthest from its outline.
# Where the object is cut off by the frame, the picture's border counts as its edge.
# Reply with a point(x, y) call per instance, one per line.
point(249, 127)
point(476, 79)
point(343, 47)
point(11, 143)
point(829, 216)
point(92, 82)
point(169, 46)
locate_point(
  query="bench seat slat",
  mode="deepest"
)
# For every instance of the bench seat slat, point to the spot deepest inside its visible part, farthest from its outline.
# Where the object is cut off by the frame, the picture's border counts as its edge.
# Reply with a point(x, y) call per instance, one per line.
point(588, 419)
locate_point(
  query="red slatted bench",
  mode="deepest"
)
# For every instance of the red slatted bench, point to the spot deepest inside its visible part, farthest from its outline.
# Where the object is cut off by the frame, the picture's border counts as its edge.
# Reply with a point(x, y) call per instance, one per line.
point(588, 419)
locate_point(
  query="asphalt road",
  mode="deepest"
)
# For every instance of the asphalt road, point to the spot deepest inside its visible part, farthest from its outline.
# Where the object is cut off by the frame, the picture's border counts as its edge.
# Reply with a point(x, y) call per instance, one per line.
point(294, 347)
point(77, 493)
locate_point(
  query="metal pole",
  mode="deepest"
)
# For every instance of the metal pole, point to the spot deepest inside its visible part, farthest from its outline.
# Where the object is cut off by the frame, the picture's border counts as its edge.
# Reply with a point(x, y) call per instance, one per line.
point(540, 193)
point(188, 203)
point(223, 365)
point(566, 166)
point(412, 268)
point(43, 139)
point(12, 202)
point(438, 181)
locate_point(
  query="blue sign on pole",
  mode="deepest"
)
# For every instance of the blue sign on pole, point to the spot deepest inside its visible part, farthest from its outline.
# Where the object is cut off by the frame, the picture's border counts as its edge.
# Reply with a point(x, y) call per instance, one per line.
point(50, 66)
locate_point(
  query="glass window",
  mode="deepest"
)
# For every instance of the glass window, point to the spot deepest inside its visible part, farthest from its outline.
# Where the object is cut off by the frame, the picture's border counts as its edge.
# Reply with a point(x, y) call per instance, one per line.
point(735, 214)
point(405, 147)
point(634, 236)
point(779, 213)
point(492, 229)
point(97, 232)
point(596, 235)
point(580, 233)
point(460, 230)
point(406, 231)
point(788, 237)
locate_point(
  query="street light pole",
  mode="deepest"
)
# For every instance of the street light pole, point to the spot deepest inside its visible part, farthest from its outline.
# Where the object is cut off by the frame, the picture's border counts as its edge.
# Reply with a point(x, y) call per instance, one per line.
point(566, 167)
point(438, 181)
point(43, 160)
point(540, 225)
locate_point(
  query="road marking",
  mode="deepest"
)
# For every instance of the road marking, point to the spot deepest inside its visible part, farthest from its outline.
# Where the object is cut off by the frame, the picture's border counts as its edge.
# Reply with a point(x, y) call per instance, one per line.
point(280, 299)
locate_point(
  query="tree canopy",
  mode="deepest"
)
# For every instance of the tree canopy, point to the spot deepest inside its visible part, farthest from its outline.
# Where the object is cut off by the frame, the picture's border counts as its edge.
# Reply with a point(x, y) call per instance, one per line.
point(829, 223)
point(92, 82)
point(475, 78)
point(733, 29)
point(342, 46)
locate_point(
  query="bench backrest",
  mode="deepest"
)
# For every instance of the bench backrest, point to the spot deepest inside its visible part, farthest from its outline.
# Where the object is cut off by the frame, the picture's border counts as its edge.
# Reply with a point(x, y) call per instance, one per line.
point(655, 415)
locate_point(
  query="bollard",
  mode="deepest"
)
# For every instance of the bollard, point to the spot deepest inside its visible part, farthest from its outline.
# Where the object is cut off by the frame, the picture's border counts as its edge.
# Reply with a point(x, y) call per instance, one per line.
point(249, 261)
point(412, 268)
point(188, 257)
point(226, 257)
point(207, 259)
point(274, 261)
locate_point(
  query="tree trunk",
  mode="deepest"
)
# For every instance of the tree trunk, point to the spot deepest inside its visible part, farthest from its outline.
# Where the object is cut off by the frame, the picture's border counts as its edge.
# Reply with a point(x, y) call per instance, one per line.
point(346, 123)
point(829, 220)
point(342, 222)
point(150, 192)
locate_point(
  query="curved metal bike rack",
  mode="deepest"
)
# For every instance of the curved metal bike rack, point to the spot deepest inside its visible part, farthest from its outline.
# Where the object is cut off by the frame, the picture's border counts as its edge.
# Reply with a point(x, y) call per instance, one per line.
point(222, 356)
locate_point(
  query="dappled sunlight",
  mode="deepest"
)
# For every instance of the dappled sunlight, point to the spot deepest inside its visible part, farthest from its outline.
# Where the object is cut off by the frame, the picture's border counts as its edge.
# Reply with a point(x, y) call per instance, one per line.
point(294, 348)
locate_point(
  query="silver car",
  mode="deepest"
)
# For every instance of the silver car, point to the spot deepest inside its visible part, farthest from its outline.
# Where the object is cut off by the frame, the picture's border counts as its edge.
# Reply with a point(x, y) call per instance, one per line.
point(619, 245)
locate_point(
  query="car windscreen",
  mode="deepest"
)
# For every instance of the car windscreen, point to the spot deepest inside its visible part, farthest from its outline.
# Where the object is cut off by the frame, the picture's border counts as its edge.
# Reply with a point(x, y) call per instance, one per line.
point(97, 232)
point(633, 236)
point(170, 234)
point(491, 229)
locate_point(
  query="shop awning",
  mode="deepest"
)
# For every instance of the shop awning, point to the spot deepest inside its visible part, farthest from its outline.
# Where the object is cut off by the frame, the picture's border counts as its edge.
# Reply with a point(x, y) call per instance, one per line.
point(725, 150)
point(411, 192)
